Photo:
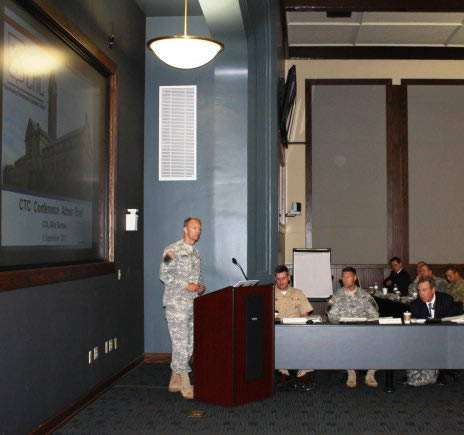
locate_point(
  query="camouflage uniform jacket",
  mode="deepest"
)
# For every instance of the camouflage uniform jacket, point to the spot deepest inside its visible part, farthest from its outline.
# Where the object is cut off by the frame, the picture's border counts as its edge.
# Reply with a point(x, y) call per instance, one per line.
point(457, 290)
point(177, 273)
point(418, 378)
point(440, 284)
point(359, 304)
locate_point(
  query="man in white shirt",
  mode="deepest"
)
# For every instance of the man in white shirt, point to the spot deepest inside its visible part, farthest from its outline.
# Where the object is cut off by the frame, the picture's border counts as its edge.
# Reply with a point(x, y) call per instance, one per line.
point(430, 304)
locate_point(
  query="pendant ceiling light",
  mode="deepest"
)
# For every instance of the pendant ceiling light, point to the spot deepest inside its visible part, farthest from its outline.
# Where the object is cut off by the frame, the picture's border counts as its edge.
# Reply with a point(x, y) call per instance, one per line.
point(185, 51)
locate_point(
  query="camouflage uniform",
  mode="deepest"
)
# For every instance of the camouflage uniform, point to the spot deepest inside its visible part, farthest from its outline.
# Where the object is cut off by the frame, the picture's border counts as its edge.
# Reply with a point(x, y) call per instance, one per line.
point(441, 285)
point(417, 378)
point(176, 274)
point(356, 304)
point(293, 304)
point(457, 290)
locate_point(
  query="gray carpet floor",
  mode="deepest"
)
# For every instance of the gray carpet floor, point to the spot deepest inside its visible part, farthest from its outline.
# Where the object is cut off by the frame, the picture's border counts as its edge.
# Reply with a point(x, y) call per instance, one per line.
point(140, 403)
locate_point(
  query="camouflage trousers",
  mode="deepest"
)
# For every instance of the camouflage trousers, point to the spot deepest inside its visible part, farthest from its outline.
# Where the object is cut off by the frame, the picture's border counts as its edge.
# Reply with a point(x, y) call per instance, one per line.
point(417, 378)
point(180, 326)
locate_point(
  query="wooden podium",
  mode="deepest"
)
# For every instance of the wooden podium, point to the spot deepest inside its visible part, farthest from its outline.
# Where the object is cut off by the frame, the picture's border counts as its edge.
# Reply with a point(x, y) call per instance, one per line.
point(234, 345)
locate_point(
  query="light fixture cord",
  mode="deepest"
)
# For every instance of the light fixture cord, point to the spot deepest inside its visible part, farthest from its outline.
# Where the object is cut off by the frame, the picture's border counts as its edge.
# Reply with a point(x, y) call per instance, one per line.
point(185, 17)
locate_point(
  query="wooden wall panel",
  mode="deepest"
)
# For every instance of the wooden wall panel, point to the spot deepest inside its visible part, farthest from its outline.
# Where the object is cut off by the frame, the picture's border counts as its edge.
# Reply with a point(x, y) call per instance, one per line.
point(369, 274)
point(397, 173)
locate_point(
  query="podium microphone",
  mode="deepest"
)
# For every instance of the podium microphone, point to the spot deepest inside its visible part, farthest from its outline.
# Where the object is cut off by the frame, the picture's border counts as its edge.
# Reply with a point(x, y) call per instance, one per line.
point(234, 260)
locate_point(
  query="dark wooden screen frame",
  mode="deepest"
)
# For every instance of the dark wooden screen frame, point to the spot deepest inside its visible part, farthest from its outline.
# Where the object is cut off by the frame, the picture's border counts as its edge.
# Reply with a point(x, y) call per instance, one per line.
point(71, 35)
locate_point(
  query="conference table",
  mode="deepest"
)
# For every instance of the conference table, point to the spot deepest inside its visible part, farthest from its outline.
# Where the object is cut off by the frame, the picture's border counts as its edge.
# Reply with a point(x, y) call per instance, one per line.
point(391, 305)
point(370, 346)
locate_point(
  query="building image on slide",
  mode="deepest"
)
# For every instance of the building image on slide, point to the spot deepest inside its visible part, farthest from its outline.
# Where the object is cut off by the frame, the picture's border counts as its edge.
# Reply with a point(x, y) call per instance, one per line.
point(60, 166)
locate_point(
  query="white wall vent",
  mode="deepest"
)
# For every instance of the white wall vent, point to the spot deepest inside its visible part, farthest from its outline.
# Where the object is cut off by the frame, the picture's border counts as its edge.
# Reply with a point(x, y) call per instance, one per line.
point(177, 133)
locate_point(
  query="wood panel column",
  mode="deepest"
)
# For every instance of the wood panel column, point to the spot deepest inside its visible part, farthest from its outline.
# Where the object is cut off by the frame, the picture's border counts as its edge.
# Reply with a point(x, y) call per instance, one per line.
point(397, 173)
point(308, 165)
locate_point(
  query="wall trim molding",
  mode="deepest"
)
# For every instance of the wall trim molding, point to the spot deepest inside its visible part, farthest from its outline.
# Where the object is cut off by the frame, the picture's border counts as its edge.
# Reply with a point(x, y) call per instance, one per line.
point(67, 413)
point(156, 358)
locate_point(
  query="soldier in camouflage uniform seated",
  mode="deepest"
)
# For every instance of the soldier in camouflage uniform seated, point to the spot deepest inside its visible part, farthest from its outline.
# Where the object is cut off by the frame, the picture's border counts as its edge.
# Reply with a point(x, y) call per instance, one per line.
point(181, 275)
point(426, 271)
point(352, 301)
point(413, 286)
point(456, 283)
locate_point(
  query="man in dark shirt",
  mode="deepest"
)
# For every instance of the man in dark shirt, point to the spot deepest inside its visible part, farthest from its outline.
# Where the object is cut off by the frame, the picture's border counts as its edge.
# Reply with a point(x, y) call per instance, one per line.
point(398, 276)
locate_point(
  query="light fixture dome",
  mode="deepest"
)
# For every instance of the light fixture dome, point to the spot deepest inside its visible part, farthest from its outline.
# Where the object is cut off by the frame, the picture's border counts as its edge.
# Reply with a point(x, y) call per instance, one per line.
point(185, 51)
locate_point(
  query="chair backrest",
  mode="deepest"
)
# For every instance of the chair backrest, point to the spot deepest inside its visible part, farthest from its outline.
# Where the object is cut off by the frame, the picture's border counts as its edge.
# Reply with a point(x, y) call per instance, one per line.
point(320, 305)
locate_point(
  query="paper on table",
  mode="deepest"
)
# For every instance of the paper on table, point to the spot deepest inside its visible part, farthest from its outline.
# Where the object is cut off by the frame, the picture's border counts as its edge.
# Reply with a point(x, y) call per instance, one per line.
point(294, 320)
point(420, 321)
point(315, 318)
point(456, 319)
point(390, 321)
point(352, 319)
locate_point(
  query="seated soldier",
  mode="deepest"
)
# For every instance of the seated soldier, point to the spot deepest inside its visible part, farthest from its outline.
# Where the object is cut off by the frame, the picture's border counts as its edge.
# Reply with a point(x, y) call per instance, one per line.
point(352, 301)
point(426, 271)
point(290, 302)
point(456, 283)
point(413, 286)
point(433, 305)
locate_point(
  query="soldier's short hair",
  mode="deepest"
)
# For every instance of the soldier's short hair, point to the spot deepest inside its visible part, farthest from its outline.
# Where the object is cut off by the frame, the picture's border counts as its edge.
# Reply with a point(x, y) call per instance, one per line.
point(453, 269)
point(349, 269)
point(427, 266)
point(191, 218)
point(397, 259)
point(428, 279)
point(281, 268)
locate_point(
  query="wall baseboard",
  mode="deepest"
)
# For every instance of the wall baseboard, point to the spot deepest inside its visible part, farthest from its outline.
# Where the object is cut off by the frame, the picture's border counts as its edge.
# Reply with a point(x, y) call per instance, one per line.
point(153, 358)
point(63, 416)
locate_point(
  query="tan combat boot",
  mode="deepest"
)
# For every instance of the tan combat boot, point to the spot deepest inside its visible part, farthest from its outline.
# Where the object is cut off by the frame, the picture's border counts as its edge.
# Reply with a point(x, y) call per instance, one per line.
point(370, 379)
point(351, 381)
point(174, 383)
point(185, 388)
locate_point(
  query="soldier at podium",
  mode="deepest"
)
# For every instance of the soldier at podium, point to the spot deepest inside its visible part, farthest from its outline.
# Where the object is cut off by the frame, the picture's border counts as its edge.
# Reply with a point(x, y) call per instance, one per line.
point(290, 302)
point(180, 272)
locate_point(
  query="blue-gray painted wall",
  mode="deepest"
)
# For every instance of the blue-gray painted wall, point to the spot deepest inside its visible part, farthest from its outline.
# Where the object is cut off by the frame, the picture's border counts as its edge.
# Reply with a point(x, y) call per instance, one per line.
point(47, 331)
point(236, 191)
point(260, 17)
point(219, 195)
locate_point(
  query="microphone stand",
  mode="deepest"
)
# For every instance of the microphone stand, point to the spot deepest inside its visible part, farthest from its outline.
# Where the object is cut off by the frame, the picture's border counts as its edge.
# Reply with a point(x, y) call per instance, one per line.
point(240, 267)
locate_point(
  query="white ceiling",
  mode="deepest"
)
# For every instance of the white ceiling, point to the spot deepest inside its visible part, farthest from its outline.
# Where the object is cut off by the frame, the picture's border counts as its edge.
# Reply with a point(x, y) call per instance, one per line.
point(169, 8)
point(419, 29)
